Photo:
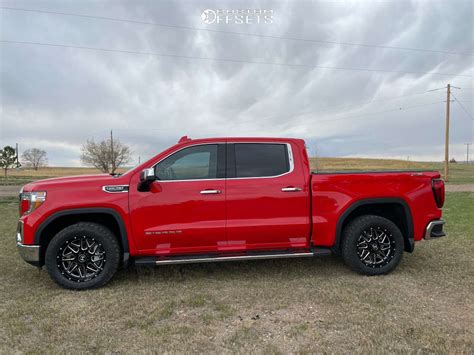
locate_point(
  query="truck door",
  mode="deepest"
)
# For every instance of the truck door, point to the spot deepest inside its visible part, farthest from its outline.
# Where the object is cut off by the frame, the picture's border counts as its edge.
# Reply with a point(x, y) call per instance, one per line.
point(184, 211)
point(268, 205)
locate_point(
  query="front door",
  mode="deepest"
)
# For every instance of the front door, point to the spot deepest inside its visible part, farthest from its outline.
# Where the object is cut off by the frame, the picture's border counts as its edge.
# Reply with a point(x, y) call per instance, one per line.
point(184, 211)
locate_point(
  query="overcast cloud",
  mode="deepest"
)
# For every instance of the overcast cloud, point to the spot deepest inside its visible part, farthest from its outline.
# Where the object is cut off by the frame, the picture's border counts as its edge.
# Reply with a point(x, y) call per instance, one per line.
point(56, 98)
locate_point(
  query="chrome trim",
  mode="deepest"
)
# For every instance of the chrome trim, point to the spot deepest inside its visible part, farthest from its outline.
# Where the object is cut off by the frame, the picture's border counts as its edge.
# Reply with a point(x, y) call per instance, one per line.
point(115, 192)
point(290, 160)
point(210, 192)
point(234, 258)
point(29, 253)
point(291, 189)
point(19, 232)
point(147, 173)
point(430, 227)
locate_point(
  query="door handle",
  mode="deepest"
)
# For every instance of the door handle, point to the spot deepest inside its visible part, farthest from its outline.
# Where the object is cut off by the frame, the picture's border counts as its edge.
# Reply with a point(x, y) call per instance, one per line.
point(210, 192)
point(290, 189)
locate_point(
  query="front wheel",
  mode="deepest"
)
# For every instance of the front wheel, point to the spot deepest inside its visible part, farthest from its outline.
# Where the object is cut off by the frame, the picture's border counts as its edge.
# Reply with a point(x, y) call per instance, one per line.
point(83, 255)
point(372, 245)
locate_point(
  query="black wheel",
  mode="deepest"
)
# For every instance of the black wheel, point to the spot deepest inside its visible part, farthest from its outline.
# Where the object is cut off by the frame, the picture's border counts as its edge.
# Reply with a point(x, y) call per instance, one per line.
point(372, 245)
point(83, 255)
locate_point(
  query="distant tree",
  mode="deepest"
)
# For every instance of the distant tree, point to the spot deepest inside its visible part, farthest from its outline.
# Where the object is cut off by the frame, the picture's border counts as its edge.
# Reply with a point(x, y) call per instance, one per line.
point(35, 158)
point(101, 155)
point(453, 161)
point(8, 158)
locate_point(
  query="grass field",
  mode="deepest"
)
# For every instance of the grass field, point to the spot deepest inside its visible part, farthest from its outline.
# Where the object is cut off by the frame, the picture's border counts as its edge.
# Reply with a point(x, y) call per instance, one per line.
point(299, 305)
point(459, 173)
point(23, 176)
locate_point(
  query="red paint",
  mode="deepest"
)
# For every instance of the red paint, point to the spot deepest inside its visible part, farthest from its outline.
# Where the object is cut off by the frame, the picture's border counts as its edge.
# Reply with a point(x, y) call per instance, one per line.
point(173, 217)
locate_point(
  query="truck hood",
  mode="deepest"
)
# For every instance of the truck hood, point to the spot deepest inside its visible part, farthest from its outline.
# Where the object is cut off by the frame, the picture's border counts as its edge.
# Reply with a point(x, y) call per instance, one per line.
point(99, 179)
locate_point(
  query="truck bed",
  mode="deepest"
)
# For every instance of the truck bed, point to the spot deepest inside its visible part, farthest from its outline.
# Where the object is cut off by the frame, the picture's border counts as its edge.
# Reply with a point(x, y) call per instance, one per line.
point(334, 194)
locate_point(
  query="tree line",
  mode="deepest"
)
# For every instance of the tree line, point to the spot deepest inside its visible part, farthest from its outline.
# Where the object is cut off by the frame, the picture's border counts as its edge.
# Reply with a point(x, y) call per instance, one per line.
point(32, 158)
point(106, 155)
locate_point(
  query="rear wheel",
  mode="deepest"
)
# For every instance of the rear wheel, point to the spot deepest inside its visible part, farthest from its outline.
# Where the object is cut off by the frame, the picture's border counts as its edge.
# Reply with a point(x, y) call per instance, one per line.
point(81, 256)
point(372, 245)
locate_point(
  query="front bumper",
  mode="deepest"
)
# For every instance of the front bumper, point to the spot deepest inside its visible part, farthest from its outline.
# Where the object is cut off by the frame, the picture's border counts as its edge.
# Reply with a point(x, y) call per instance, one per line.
point(434, 229)
point(29, 253)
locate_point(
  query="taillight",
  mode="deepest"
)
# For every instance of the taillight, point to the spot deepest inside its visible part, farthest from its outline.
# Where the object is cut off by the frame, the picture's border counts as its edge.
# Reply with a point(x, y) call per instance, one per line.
point(438, 192)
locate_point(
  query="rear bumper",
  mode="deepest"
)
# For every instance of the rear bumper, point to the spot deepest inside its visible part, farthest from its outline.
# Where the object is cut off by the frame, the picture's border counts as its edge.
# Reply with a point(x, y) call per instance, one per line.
point(434, 229)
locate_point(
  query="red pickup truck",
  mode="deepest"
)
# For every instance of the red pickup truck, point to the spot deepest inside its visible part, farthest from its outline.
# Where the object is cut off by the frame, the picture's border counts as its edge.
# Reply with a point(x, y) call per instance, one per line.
point(224, 199)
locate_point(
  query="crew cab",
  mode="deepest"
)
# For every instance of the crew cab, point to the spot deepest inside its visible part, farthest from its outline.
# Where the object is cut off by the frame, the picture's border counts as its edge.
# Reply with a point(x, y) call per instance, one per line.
point(224, 199)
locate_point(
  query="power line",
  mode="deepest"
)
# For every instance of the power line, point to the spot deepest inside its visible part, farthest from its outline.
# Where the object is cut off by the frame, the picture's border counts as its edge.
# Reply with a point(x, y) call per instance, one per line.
point(228, 60)
point(302, 123)
point(301, 113)
point(377, 113)
point(366, 45)
point(462, 106)
point(367, 114)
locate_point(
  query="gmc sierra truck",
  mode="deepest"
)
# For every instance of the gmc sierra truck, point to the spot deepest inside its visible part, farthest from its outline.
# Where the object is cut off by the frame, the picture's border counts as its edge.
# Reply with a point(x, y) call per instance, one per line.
point(224, 199)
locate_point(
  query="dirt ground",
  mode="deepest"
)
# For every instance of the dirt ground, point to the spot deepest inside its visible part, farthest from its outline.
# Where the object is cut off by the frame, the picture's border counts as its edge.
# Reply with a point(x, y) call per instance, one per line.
point(460, 188)
point(9, 191)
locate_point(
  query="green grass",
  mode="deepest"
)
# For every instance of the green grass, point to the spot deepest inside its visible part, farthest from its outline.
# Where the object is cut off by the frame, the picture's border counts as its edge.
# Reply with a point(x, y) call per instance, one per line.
point(278, 306)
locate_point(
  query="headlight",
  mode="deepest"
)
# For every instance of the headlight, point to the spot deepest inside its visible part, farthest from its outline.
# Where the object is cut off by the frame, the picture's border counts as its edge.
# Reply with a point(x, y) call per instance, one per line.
point(30, 201)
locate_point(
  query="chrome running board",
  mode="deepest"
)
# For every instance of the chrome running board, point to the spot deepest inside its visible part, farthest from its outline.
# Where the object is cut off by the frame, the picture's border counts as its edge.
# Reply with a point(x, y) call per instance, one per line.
point(218, 258)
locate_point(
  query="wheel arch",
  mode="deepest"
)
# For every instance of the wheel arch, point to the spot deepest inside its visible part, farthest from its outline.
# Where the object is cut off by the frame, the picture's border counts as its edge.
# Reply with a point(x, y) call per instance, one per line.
point(394, 209)
point(108, 217)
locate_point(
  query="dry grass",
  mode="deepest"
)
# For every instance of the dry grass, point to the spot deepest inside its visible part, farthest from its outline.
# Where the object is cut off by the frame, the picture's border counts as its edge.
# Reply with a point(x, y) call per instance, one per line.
point(338, 164)
point(51, 172)
point(23, 176)
point(460, 173)
point(280, 306)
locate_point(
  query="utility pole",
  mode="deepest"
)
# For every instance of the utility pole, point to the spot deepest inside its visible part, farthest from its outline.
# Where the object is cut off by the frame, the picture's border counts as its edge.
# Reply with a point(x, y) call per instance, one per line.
point(17, 161)
point(467, 152)
point(112, 150)
point(446, 141)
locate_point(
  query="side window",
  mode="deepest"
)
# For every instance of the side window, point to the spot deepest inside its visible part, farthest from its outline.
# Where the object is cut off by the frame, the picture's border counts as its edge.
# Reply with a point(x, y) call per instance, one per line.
point(198, 162)
point(260, 159)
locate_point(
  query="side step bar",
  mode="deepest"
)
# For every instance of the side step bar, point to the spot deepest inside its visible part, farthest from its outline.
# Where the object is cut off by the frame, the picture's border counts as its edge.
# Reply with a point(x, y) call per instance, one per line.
point(236, 257)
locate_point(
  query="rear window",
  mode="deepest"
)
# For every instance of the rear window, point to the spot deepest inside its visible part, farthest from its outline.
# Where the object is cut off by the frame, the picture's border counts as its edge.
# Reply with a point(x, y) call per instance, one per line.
point(257, 159)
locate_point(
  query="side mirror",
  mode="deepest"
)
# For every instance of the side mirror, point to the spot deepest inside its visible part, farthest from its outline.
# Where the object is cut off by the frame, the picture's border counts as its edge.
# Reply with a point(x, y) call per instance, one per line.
point(147, 175)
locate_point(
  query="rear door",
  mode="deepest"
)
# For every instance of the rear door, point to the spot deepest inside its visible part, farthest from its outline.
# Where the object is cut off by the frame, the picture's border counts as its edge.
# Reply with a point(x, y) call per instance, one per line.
point(267, 202)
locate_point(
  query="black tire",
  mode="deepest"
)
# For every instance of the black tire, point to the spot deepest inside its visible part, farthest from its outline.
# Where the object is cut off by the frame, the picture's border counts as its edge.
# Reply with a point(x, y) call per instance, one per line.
point(372, 245)
point(93, 249)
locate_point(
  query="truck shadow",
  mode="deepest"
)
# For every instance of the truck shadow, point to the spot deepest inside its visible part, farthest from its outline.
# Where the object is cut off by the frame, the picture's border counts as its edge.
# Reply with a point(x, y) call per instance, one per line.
point(264, 271)
point(237, 270)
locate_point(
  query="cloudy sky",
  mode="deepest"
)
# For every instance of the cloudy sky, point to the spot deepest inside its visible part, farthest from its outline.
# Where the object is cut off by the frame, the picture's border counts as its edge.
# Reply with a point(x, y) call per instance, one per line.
point(56, 97)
